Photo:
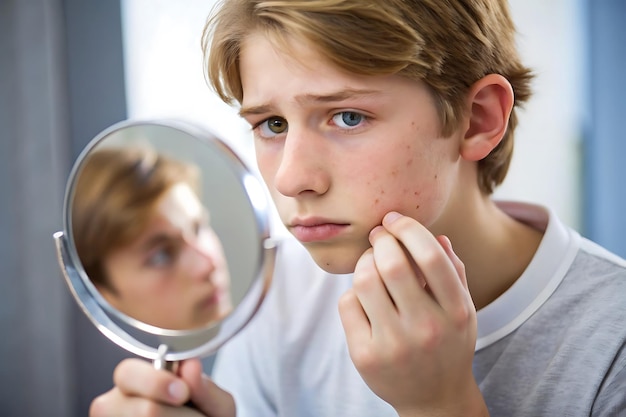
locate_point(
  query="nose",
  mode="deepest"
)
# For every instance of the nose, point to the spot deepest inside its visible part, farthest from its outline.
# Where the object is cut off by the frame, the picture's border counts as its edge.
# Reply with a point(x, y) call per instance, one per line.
point(303, 165)
point(201, 262)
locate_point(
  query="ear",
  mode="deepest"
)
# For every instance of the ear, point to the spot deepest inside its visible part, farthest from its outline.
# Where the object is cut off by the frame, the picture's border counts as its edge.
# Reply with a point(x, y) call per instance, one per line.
point(490, 102)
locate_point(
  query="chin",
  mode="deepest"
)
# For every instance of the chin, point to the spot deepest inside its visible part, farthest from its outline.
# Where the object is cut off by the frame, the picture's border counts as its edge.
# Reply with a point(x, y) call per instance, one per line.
point(335, 259)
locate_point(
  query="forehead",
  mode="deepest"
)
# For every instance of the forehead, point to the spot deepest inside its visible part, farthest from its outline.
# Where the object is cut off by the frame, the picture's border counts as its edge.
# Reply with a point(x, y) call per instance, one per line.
point(179, 203)
point(292, 67)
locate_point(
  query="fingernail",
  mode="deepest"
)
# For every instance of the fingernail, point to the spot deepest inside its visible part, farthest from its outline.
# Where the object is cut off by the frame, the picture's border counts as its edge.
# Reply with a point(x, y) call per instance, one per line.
point(178, 390)
point(375, 230)
point(391, 217)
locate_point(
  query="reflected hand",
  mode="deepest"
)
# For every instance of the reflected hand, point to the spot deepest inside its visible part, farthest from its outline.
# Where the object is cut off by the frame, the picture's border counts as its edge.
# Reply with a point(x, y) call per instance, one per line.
point(141, 390)
point(410, 322)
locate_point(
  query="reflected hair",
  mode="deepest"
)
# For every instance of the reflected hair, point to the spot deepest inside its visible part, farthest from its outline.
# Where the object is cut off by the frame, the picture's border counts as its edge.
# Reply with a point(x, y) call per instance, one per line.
point(449, 45)
point(115, 195)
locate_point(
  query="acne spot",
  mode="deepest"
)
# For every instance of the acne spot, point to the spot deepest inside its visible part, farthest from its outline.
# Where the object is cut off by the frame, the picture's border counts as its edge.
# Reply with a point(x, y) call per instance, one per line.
point(409, 162)
point(394, 173)
point(376, 201)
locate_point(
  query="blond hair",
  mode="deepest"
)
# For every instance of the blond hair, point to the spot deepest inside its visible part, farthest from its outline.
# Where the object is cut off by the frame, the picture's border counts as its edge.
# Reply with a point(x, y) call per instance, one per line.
point(447, 44)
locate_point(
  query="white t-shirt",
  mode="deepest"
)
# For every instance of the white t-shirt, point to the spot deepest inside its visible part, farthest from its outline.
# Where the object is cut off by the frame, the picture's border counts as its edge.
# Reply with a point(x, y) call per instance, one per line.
point(551, 345)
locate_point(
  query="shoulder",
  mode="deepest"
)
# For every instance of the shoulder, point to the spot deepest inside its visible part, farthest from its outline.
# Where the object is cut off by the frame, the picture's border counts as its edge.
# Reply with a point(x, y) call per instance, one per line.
point(596, 276)
point(600, 256)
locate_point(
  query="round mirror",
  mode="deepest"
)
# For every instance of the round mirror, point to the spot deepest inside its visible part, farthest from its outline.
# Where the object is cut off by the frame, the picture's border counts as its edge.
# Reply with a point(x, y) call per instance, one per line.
point(166, 243)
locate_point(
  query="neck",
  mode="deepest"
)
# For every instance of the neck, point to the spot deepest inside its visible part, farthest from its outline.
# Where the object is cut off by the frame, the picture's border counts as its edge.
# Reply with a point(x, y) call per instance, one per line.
point(495, 248)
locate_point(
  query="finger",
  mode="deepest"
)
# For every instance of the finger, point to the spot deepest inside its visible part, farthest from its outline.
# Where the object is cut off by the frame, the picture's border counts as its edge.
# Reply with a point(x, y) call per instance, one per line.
point(400, 275)
point(355, 323)
point(135, 377)
point(117, 404)
point(439, 272)
point(206, 396)
point(372, 293)
point(456, 261)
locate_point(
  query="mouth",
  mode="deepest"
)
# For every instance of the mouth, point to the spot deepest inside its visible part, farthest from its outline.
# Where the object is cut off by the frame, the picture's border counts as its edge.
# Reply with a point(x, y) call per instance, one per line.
point(211, 300)
point(316, 229)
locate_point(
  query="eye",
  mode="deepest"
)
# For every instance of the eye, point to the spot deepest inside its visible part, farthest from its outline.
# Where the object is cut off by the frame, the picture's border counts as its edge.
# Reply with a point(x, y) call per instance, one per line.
point(162, 257)
point(348, 119)
point(271, 127)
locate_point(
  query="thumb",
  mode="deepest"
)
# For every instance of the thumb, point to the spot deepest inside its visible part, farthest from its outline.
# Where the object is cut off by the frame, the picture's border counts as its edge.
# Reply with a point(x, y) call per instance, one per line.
point(205, 395)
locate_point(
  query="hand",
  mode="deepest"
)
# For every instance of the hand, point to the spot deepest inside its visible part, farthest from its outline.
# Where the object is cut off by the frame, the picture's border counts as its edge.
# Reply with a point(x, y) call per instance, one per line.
point(141, 390)
point(410, 322)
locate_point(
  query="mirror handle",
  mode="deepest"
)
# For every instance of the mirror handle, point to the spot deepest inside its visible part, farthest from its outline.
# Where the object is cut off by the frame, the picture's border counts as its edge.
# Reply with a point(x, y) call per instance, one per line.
point(171, 366)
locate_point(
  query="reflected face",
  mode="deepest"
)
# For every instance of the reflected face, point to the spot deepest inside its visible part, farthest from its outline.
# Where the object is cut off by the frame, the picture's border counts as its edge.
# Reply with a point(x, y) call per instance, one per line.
point(174, 275)
point(339, 150)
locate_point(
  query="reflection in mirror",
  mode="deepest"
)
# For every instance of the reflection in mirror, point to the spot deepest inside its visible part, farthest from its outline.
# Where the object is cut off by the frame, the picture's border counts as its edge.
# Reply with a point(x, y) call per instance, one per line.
point(166, 240)
point(144, 238)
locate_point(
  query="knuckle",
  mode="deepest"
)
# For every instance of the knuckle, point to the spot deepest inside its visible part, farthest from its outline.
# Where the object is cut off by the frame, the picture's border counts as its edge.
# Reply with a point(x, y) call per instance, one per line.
point(428, 257)
point(392, 269)
point(366, 360)
point(99, 406)
point(347, 300)
point(462, 316)
point(431, 335)
point(460, 265)
point(364, 280)
point(122, 371)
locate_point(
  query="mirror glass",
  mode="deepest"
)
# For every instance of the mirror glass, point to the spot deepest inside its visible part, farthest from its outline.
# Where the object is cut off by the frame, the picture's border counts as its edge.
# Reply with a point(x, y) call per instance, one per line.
point(166, 238)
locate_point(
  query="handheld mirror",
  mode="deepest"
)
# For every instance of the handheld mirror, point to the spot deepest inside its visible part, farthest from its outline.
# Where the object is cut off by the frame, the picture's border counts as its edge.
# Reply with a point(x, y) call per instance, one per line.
point(166, 244)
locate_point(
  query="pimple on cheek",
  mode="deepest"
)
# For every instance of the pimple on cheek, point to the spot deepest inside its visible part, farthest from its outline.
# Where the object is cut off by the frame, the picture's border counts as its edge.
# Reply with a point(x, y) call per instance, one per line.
point(417, 194)
point(377, 200)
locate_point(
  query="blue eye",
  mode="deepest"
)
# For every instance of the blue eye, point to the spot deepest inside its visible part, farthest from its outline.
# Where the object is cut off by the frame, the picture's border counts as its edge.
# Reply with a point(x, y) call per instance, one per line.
point(161, 258)
point(272, 126)
point(348, 119)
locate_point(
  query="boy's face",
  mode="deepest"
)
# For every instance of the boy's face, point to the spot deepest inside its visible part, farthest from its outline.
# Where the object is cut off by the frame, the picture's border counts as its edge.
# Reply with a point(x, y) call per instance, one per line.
point(174, 275)
point(338, 150)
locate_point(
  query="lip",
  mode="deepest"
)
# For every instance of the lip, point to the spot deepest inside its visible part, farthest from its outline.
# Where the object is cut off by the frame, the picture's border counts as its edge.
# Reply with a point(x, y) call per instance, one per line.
point(316, 229)
point(211, 299)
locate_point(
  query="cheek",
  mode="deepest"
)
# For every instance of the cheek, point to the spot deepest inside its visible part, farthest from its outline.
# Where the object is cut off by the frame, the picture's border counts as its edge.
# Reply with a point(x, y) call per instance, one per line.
point(117, 274)
point(267, 162)
point(409, 186)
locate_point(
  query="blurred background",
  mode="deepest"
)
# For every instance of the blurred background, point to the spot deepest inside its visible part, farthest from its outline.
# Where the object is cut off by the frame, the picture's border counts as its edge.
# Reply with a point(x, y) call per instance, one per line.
point(70, 68)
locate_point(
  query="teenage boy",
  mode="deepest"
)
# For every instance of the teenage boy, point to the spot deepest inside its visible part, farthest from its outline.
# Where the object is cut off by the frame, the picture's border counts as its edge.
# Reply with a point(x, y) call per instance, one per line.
point(381, 129)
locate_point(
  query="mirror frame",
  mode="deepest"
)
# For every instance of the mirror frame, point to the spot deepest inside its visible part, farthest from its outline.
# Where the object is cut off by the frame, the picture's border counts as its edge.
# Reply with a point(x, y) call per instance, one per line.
point(182, 344)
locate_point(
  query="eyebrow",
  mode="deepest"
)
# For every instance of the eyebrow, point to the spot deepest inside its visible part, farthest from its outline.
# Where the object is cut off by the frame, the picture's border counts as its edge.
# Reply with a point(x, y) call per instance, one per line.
point(167, 237)
point(315, 98)
point(157, 240)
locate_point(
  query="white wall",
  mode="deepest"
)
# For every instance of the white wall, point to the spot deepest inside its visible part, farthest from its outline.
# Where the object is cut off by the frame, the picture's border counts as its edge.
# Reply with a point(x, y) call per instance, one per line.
point(165, 79)
point(164, 73)
point(546, 164)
